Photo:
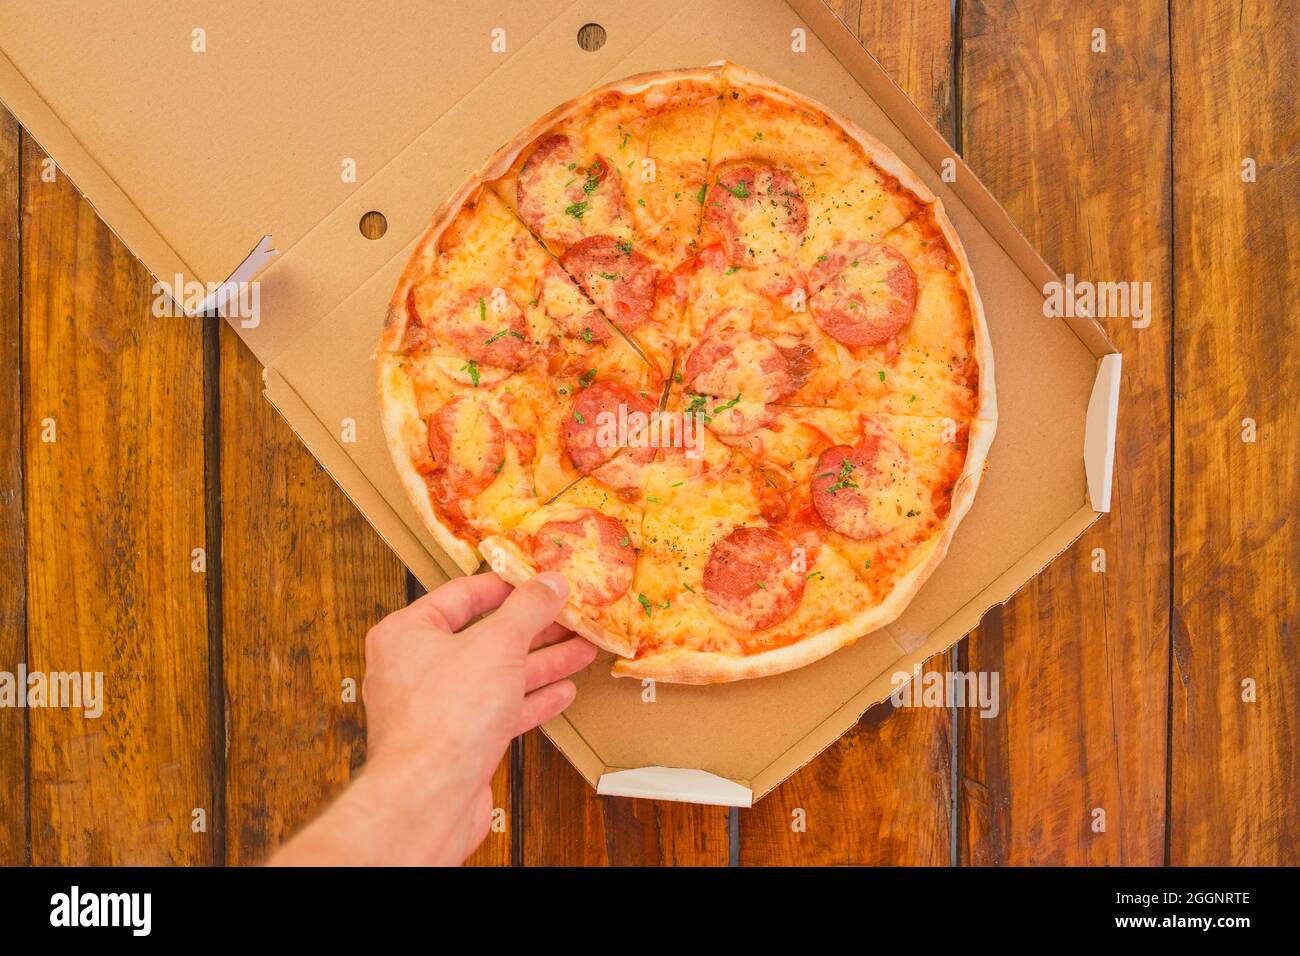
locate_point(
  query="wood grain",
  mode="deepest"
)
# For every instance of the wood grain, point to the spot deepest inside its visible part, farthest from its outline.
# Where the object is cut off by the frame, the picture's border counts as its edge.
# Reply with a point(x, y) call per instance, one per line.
point(1075, 144)
point(883, 793)
point(566, 824)
point(114, 507)
point(303, 578)
point(13, 535)
point(1235, 765)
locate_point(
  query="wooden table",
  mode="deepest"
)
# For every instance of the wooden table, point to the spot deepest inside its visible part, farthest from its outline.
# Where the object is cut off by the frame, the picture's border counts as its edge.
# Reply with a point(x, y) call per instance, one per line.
point(1149, 712)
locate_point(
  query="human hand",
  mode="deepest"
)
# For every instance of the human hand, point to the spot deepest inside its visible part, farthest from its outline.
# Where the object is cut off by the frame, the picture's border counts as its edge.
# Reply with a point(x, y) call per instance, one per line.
point(443, 700)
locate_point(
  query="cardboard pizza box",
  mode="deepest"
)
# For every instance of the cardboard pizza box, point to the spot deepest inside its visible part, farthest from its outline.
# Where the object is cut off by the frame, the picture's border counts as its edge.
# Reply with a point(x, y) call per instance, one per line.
point(248, 140)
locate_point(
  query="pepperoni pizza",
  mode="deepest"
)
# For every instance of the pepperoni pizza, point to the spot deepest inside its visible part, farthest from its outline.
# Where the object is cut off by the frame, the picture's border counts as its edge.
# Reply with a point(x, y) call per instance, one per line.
point(708, 349)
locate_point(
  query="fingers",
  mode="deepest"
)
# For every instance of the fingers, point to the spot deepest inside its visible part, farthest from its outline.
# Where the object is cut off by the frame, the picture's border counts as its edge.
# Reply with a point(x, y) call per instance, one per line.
point(541, 705)
point(557, 661)
point(551, 634)
point(460, 600)
point(527, 612)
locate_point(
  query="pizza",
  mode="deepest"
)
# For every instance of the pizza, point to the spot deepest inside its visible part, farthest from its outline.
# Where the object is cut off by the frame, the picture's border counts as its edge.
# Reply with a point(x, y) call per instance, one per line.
point(708, 349)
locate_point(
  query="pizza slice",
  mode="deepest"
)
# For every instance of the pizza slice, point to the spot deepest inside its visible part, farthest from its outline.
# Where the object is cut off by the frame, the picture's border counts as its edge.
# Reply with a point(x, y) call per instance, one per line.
point(889, 499)
point(788, 179)
point(903, 309)
point(725, 589)
point(612, 184)
point(590, 535)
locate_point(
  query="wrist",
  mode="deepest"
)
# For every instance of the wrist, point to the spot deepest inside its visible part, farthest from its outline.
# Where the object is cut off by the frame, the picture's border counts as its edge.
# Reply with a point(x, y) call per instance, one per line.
point(396, 812)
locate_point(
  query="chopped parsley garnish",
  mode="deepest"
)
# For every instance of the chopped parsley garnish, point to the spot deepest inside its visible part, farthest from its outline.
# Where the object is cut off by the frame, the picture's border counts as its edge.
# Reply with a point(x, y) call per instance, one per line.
point(626, 137)
point(501, 464)
point(678, 484)
point(810, 574)
point(624, 247)
point(654, 499)
point(740, 191)
point(703, 192)
point(689, 588)
point(587, 377)
point(625, 541)
point(868, 562)
point(609, 276)
point(762, 586)
point(576, 210)
point(645, 603)
point(494, 337)
point(726, 405)
point(586, 334)
point(677, 377)
point(882, 374)
point(577, 417)
point(594, 172)
point(472, 367)
point(846, 469)
point(731, 270)
point(482, 310)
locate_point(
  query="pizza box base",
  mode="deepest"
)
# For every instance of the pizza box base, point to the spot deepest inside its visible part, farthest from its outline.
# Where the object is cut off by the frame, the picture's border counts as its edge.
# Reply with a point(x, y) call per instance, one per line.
point(198, 154)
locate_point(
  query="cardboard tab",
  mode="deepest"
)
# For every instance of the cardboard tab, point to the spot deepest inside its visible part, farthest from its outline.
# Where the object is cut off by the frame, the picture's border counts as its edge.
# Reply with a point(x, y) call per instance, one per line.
point(253, 262)
point(1099, 437)
point(675, 783)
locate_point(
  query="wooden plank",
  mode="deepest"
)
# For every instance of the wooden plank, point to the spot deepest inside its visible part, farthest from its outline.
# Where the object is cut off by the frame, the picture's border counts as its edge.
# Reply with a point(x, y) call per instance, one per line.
point(1075, 144)
point(13, 534)
point(883, 793)
point(114, 507)
point(567, 824)
point(1235, 764)
point(303, 579)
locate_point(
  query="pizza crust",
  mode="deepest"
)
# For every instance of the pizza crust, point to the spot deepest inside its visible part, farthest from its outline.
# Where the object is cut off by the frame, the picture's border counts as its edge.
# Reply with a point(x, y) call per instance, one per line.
point(505, 558)
point(405, 429)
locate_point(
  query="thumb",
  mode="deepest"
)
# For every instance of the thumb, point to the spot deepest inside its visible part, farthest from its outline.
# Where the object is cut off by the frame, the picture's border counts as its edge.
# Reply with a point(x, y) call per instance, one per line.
point(529, 610)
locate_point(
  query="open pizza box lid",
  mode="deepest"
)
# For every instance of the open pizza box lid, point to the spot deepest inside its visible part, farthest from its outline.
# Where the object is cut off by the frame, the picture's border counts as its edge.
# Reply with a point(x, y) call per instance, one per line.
point(212, 137)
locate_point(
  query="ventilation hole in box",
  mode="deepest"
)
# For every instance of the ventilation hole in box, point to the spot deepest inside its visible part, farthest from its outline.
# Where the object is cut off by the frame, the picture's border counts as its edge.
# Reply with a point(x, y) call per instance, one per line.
point(591, 37)
point(373, 225)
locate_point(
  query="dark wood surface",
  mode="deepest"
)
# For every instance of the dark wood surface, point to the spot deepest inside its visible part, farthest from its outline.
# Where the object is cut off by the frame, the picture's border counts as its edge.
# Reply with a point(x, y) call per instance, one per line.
point(1123, 735)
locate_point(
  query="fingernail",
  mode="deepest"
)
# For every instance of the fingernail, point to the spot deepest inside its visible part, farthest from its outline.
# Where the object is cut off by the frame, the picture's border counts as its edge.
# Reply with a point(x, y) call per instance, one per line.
point(555, 581)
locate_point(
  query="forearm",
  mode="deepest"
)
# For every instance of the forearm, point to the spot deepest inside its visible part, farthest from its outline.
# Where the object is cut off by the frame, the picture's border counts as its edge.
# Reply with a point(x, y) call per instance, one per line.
point(388, 816)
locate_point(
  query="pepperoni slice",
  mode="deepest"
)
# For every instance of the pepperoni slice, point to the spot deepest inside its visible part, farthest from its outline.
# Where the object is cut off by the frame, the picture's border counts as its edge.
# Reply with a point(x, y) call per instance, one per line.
point(730, 362)
point(866, 293)
point(759, 211)
point(562, 197)
point(592, 550)
point(562, 300)
point(618, 278)
point(750, 581)
point(468, 446)
point(485, 326)
point(865, 490)
point(592, 432)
